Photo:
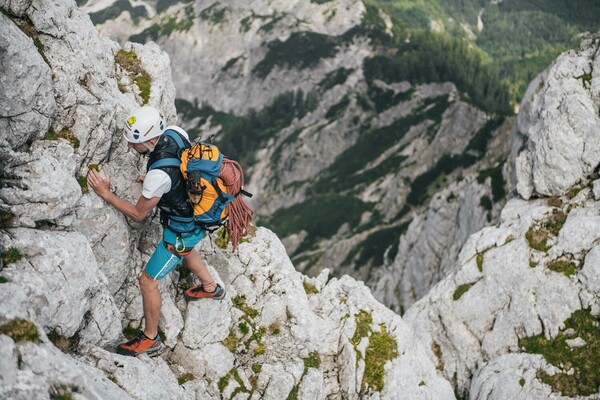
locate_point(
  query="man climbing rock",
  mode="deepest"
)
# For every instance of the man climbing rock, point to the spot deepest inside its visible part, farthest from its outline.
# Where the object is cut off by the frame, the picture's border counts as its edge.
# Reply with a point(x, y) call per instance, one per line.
point(163, 187)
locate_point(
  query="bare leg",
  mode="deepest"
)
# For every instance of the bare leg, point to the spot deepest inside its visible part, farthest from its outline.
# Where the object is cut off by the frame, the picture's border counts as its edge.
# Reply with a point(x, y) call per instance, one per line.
point(195, 263)
point(152, 302)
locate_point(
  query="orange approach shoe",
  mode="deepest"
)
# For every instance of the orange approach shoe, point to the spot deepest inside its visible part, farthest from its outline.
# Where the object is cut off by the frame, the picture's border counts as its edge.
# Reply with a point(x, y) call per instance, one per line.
point(141, 344)
point(198, 292)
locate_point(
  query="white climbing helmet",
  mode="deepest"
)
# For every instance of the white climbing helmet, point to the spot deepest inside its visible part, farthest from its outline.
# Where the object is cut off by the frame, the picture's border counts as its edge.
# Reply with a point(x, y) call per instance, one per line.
point(144, 124)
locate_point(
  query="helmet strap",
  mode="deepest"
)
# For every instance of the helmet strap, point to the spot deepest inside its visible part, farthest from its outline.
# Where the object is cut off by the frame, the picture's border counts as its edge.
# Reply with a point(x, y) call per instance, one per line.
point(150, 147)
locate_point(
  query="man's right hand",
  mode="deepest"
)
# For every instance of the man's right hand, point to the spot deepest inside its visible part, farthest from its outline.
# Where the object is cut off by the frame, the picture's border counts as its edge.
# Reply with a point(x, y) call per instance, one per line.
point(98, 184)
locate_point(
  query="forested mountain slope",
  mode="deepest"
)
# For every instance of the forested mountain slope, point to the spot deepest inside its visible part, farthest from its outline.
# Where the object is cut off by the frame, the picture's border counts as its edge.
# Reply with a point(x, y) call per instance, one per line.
point(519, 37)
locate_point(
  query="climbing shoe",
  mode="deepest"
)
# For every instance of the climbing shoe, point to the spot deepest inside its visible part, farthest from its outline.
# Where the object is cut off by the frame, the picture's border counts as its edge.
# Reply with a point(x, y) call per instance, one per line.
point(198, 292)
point(141, 344)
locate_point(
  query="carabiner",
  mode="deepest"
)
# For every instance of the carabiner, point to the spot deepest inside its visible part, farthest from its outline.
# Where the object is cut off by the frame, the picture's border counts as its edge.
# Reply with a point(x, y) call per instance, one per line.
point(177, 248)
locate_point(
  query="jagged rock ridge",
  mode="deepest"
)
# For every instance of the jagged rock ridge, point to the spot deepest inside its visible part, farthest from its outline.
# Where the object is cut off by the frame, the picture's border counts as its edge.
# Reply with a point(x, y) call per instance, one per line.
point(534, 273)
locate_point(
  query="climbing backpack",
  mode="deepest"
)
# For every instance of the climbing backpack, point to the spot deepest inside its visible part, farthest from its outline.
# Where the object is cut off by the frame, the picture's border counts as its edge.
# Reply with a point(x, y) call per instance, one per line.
point(214, 184)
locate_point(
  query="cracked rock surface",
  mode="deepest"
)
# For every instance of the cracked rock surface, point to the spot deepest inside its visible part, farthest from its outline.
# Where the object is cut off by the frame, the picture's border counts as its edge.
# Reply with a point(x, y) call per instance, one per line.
point(70, 285)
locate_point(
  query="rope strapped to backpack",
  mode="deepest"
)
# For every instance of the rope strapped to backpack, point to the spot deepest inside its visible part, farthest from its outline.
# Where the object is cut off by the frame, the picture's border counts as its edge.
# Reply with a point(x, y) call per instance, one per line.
point(240, 214)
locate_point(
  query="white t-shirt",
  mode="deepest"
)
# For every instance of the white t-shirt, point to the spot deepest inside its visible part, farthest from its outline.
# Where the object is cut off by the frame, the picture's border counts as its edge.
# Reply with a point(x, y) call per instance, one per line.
point(158, 182)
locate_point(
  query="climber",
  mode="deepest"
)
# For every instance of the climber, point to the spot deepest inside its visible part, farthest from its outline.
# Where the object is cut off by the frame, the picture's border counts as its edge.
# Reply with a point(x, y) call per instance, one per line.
point(163, 187)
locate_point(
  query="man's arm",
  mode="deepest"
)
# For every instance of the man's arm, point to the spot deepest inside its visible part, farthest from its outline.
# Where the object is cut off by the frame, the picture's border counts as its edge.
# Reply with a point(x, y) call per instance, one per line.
point(137, 212)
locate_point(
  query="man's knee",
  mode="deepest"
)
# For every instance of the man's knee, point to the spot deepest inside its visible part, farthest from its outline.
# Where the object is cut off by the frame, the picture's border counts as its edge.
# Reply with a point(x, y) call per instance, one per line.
point(146, 281)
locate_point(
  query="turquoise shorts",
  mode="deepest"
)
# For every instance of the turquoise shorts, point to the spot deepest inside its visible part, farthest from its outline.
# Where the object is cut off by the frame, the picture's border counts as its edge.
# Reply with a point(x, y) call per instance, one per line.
point(164, 259)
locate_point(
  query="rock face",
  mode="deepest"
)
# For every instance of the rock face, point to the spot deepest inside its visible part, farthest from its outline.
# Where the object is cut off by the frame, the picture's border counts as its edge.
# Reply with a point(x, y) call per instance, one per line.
point(429, 249)
point(559, 124)
point(508, 289)
point(510, 321)
point(489, 329)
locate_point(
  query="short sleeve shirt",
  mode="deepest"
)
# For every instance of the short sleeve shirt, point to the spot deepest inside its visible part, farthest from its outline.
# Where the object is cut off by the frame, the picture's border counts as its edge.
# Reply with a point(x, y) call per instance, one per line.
point(156, 184)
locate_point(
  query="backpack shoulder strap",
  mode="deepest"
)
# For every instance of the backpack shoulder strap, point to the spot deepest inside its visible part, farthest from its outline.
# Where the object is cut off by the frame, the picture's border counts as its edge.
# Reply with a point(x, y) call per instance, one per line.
point(165, 162)
point(175, 136)
point(170, 161)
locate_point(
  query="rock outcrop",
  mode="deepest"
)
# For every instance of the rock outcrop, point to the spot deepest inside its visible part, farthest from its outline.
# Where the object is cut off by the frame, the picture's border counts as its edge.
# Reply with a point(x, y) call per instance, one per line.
point(516, 317)
point(559, 123)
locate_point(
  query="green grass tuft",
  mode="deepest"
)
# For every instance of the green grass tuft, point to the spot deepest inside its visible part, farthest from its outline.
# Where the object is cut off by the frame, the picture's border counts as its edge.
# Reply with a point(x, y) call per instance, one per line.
point(223, 382)
point(479, 260)
point(363, 327)
point(7, 218)
point(309, 288)
point(244, 328)
point(313, 361)
point(66, 134)
point(63, 343)
point(437, 351)
point(579, 365)
point(130, 332)
point(382, 348)
point(568, 268)
point(11, 255)
point(586, 79)
point(144, 84)
point(275, 328)
point(130, 62)
point(82, 180)
point(60, 392)
point(240, 303)
point(462, 289)
point(538, 234)
point(231, 341)
point(256, 368)
point(186, 378)
point(555, 202)
point(20, 330)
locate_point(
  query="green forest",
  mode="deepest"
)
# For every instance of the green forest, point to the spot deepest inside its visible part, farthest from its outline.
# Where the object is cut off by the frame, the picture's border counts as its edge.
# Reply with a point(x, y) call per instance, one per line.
point(519, 38)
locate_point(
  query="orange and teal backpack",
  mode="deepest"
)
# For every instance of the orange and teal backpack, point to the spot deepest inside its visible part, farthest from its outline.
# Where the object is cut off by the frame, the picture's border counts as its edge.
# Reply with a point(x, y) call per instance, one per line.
point(214, 185)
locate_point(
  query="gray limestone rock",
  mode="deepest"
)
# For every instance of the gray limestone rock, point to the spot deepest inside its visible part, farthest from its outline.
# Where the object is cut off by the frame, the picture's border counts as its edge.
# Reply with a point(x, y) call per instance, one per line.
point(502, 292)
point(433, 240)
point(32, 371)
point(62, 281)
point(27, 106)
point(44, 186)
point(512, 376)
point(559, 119)
point(278, 331)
